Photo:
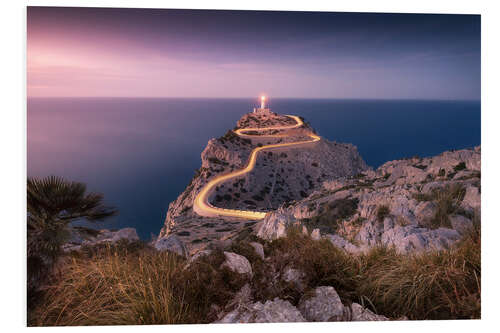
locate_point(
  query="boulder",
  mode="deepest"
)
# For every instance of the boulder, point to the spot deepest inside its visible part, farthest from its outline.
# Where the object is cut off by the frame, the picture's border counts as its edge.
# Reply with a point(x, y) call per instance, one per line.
point(425, 210)
point(323, 304)
point(237, 263)
point(460, 223)
point(276, 311)
point(259, 249)
point(343, 244)
point(358, 313)
point(472, 198)
point(171, 243)
point(274, 225)
point(129, 234)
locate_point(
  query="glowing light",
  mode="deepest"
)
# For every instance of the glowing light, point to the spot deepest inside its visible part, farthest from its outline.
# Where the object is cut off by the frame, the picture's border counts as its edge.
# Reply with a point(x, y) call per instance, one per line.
point(201, 205)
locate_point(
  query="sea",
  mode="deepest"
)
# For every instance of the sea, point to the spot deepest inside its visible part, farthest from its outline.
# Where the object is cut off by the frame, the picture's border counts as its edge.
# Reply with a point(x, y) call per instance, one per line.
point(141, 153)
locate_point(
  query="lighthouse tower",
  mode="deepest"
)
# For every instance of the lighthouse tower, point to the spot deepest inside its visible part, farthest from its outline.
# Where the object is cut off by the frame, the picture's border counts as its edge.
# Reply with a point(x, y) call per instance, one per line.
point(263, 108)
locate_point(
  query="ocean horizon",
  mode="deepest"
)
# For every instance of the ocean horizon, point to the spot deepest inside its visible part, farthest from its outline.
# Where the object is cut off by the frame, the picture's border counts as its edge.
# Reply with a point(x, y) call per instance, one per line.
point(142, 152)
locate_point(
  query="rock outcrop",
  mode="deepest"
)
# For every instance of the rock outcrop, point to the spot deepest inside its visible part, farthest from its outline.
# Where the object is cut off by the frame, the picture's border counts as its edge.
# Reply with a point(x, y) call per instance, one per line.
point(275, 311)
point(171, 243)
point(237, 263)
point(413, 205)
point(80, 236)
point(323, 304)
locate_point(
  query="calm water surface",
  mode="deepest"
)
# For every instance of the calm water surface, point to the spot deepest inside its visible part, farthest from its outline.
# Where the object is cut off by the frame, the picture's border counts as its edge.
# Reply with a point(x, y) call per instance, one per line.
point(142, 153)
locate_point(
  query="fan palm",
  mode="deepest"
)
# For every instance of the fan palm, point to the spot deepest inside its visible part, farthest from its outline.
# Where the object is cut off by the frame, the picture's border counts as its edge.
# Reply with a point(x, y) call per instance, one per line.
point(53, 203)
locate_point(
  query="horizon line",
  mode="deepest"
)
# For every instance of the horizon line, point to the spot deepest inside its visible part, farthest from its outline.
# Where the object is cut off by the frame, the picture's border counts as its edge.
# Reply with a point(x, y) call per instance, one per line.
point(256, 97)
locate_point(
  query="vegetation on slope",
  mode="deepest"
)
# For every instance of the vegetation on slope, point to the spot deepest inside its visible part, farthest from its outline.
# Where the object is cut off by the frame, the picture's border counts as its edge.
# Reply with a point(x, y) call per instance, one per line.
point(130, 283)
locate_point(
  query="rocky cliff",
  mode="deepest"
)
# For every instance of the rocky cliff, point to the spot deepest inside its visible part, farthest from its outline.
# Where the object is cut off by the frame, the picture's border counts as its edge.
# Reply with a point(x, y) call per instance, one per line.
point(413, 205)
point(280, 177)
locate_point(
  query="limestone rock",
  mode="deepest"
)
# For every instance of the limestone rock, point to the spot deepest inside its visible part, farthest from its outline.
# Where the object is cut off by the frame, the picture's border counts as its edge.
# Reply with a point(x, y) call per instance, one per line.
point(126, 233)
point(416, 239)
point(237, 263)
point(472, 198)
point(358, 313)
point(343, 244)
point(460, 223)
point(425, 211)
point(274, 225)
point(171, 243)
point(323, 305)
point(259, 249)
point(276, 311)
point(78, 239)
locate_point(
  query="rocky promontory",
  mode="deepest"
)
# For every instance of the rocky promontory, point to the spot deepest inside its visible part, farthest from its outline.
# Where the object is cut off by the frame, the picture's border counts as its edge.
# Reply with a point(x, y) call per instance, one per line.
point(281, 176)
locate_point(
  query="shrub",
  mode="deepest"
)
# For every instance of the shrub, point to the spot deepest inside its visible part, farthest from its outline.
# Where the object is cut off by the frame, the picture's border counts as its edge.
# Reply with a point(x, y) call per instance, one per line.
point(382, 212)
point(448, 201)
point(460, 166)
point(332, 213)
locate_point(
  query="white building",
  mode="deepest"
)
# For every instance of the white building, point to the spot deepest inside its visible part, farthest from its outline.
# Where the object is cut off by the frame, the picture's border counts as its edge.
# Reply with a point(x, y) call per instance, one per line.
point(263, 107)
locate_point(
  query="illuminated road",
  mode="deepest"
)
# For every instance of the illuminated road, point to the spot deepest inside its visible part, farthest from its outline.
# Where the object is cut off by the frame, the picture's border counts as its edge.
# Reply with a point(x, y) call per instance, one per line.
point(204, 208)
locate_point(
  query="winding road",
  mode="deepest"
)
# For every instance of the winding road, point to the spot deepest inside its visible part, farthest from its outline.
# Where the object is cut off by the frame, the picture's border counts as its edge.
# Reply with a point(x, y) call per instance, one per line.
point(201, 204)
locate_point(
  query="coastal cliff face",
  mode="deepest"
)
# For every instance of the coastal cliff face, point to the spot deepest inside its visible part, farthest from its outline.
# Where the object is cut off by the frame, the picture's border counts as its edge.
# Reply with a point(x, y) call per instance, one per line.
point(281, 177)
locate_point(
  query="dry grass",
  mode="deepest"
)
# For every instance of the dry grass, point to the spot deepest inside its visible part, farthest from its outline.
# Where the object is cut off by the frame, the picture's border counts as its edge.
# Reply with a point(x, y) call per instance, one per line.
point(447, 201)
point(113, 290)
point(114, 286)
point(442, 285)
point(110, 286)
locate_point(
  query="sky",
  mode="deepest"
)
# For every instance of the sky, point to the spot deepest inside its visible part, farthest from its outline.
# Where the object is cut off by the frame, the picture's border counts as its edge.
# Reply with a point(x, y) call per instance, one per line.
point(118, 52)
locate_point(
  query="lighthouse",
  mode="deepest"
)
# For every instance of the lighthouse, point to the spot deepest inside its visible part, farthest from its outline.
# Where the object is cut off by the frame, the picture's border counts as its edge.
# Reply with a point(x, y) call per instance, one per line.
point(263, 108)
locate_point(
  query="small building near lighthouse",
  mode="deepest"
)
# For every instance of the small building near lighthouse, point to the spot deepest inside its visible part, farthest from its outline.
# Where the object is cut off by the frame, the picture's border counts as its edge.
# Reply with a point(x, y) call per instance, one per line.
point(263, 106)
